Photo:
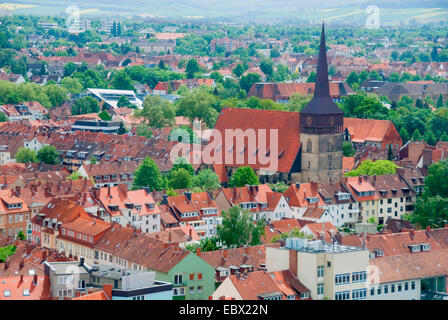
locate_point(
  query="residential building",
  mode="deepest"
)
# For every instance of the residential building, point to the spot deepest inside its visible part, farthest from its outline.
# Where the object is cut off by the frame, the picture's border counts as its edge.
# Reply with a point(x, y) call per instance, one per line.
point(328, 270)
point(261, 285)
point(196, 209)
point(135, 208)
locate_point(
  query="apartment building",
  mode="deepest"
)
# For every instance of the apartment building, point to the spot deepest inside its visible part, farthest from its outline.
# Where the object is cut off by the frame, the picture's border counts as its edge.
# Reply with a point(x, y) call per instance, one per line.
point(328, 270)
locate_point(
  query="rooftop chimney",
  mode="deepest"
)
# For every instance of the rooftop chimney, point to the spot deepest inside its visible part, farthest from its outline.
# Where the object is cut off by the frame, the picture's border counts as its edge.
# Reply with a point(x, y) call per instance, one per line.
point(169, 236)
point(190, 233)
point(198, 252)
point(225, 253)
point(165, 199)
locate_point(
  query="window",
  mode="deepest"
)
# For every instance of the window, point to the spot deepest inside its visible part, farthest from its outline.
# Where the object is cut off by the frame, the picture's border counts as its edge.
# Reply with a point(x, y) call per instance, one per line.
point(386, 289)
point(399, 287)
point(199, 276)
point(26, 292)
point(6, 293)
point(304, 295)
point(320, 289)
point(359, 294)
point(320, 271)
point(372, 291)
point(392, 288)
point(199, 289)
point(379, 290)
point(342, 295)
point(191, 290)
point(342, 278)
point(66, 279)
point(406, 286)
point(359, 276)
point(191, 276)
point(178, 279)
point(412, 285)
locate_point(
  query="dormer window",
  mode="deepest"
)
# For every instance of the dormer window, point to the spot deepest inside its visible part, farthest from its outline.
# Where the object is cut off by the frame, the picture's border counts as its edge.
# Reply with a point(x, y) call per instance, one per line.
point(414, 247)
point(378, 252)
point(425, 247)
point(312, 200)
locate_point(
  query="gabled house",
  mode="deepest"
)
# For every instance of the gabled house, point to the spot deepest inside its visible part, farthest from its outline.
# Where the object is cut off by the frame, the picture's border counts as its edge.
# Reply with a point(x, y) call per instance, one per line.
point(135, 208)
point(262, 285)
point(196, 209)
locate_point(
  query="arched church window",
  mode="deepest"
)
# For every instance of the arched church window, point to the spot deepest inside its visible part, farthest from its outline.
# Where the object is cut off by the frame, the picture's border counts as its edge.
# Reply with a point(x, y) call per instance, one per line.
point(309, 146)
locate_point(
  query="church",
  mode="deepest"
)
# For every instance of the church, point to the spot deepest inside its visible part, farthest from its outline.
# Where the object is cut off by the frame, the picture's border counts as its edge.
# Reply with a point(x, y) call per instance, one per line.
point(308, 144)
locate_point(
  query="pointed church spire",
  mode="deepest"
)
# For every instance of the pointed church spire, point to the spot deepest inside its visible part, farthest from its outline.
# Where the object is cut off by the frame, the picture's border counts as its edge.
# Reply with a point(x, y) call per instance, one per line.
point(322, 88)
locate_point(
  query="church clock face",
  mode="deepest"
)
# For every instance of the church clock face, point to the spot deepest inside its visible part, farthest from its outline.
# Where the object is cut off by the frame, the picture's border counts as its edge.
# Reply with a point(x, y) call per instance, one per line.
point(331, 121)
point(309, 121)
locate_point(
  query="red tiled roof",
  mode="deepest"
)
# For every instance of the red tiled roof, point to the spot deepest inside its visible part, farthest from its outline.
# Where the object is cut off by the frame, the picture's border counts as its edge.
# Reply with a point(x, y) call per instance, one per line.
point(17, 285)
point(285, 123)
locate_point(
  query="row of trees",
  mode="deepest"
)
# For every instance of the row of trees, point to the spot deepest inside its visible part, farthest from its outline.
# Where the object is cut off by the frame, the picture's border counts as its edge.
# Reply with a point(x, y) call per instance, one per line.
point(47, 154)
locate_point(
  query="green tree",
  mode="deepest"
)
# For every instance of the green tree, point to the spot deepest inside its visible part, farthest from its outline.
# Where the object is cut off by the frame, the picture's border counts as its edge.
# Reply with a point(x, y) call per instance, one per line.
point(122, 81)
point(148, 175)
point(312, 77)
point(432, 208)
point(85, 105)
point(404, 134)
point(298, 101)
point(192, 68)
point(390, 154)
point(267, 67)
point(181, 162)
point(25, 155)
point(416, 136)
point(370, 168)
point(257, 233)
point(353, 80)
point(430, 138)
point(238, 70)
point(248, 80)
point(48, 155)
point(278, 187)
point(56, 94)
point(72, 85)
point(206, 180)
point(198, 104)
point(122, 129)
point(73, 176)
point(3, 117)
point(93, 160)
point(157, 112)
point(243, 176)
point(69, 69)
point(124, 102)
point(180, 179)
point(347, 149)
point(237, 228)
point(144, 130)
point(440, 102)
point(444, 137)
point(21, 235)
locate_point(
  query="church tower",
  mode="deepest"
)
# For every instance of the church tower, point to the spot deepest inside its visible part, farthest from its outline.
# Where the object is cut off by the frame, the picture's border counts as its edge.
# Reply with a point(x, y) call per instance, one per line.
point(321, 127)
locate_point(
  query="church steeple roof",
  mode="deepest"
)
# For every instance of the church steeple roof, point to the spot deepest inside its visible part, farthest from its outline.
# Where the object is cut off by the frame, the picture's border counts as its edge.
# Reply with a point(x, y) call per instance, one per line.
point(322, 88)
point(322, 103)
